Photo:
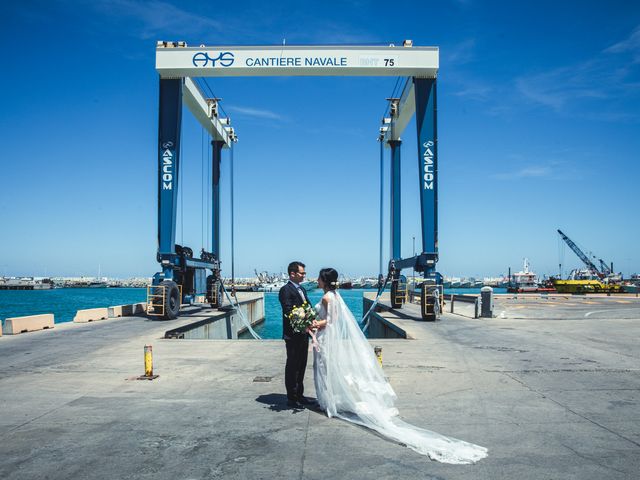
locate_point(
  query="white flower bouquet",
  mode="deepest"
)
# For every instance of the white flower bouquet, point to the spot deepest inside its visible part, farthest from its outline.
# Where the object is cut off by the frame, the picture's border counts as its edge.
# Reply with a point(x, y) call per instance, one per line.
point(301, 317)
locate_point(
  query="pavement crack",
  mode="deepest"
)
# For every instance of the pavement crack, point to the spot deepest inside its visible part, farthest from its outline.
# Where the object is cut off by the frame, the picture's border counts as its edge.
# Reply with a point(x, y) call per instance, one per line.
point(11, 430)
point(591, 459)
point(304, 450)
point(572, 411)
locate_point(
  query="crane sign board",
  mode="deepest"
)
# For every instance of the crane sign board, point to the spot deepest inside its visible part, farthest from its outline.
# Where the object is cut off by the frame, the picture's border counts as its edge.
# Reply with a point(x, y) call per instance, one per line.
point(176, 60)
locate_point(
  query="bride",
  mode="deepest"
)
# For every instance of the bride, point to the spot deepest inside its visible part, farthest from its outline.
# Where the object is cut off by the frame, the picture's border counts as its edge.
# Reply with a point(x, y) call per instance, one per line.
point(350, 383)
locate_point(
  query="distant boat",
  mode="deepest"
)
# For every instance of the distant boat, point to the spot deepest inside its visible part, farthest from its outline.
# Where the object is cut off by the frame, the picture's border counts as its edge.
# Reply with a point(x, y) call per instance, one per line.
point(527, 282)
point(269, 283)
point(631, 288)
point(309, 285)
point(587, 286)
point(25, 283)
point(271, 286)
point(87, 284)
point(370, 283)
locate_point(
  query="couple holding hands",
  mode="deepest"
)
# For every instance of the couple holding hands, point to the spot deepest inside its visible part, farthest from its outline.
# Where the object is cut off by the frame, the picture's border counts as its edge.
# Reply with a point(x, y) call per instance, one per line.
point(349, 381)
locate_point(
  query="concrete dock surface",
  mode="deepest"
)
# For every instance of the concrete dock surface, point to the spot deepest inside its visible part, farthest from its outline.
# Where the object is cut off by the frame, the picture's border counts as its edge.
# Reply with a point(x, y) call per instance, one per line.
point(551, 395)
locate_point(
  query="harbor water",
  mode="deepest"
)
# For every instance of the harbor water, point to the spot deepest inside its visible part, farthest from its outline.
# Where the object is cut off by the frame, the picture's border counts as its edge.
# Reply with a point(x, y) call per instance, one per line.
point(64, 302)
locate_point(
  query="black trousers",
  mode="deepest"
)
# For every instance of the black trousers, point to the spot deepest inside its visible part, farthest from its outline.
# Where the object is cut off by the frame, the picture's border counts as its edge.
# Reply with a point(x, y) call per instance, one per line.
point(297, 352)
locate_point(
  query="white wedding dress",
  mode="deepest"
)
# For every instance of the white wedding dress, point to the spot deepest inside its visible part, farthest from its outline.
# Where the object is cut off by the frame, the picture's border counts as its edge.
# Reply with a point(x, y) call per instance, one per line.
point(350, 384)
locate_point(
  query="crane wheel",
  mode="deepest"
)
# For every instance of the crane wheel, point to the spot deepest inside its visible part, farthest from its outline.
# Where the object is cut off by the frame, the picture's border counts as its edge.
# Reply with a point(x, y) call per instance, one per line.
point(394, 295)
point(214, 292)
point(427, 304)
point(172, 299)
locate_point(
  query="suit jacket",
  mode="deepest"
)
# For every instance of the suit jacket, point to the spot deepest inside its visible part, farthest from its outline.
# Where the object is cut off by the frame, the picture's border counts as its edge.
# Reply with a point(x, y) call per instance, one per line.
point(290, 298)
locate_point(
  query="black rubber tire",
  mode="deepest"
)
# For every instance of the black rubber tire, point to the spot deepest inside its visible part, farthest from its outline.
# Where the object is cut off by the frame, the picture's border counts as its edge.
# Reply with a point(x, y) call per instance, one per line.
point(394, 292)
point(172, 299)
point(427, 301)
point(211, 285)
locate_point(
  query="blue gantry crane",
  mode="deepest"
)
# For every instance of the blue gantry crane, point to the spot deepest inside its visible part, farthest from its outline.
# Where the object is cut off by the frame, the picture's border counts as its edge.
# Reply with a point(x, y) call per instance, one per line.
point(183, 276)
point(419, 97)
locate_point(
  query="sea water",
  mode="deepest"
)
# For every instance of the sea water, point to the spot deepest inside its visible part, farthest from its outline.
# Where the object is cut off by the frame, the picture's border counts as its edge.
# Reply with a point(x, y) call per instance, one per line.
point(64, 302)
point(272, 325)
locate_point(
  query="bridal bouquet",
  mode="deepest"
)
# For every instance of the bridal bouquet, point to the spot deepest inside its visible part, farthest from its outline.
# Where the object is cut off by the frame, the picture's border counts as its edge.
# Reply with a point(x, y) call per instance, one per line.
point(302, 317)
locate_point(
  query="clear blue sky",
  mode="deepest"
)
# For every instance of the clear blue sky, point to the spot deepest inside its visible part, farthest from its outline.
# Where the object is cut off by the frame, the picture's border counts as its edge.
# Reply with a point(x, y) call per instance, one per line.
point(539, 129)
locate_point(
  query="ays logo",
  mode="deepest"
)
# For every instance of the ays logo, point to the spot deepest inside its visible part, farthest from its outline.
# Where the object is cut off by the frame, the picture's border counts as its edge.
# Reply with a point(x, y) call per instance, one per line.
point(208, 59)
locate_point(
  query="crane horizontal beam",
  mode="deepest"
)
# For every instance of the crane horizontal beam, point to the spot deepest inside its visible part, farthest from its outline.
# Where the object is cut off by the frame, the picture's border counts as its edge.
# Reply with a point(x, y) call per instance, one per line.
point(200, 109)
point(406, 109)
point(176, 59)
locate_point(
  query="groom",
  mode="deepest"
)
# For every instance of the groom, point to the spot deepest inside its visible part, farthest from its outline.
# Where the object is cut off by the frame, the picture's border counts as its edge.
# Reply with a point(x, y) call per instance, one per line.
point(293, 295)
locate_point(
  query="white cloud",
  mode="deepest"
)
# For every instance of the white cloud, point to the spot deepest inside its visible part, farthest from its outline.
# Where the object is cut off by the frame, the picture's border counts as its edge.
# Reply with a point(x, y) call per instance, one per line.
point(256, 113)
point(527, 172)
point(474, 91)
point(609, 75)
point(158, 17)
point(461, 53)
point(630, 44)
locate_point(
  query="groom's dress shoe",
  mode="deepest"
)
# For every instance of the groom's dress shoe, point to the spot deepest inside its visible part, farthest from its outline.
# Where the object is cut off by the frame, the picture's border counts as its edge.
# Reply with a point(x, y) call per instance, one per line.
point(306, 401)
point(294, 404)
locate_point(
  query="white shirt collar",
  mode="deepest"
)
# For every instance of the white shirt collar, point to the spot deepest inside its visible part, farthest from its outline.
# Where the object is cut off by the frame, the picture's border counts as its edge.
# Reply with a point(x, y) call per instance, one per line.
point(294, 284)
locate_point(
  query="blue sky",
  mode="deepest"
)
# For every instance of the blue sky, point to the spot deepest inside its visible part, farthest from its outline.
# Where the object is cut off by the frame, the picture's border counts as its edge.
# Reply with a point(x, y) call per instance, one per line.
point(539, 121)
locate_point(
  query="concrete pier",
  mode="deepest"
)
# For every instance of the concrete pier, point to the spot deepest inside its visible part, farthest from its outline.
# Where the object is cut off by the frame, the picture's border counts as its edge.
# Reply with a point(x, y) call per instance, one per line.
point(550, 397)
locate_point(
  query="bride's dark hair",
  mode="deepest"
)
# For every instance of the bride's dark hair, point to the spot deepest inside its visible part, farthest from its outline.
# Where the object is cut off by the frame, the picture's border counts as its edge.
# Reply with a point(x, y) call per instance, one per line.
point(329, 277)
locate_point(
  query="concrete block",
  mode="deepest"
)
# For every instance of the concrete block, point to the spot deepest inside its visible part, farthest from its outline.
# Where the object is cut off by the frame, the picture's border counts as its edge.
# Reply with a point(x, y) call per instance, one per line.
point(127, 310)
point(91, 315)
point(15, 325)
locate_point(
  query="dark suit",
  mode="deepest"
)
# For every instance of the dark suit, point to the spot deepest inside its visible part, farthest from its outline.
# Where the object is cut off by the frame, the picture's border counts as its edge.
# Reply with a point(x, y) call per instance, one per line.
point(297, 343)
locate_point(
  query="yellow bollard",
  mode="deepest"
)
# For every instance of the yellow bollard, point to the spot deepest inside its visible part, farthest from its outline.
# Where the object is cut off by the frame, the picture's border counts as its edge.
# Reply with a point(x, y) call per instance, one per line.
point(148, 361)
point(378, 352)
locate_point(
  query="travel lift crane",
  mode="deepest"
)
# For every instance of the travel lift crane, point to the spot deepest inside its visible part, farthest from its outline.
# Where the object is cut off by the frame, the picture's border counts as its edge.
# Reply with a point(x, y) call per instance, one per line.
point(176, 63)
point(183, 276)
point(419, 97)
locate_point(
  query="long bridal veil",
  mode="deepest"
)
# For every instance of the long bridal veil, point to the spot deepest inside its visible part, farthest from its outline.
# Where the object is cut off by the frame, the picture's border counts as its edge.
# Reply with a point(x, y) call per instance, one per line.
point(351, 386)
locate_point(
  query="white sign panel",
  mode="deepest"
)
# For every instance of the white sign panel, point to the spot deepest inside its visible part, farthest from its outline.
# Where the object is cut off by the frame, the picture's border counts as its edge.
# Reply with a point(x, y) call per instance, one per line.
point(296, 61)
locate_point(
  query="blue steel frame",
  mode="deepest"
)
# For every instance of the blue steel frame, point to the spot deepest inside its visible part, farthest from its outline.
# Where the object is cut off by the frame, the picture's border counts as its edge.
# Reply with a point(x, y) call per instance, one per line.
point(170, 119)
point(169, 128)
point(215, 197)
point(426, 123)
point(395, 198)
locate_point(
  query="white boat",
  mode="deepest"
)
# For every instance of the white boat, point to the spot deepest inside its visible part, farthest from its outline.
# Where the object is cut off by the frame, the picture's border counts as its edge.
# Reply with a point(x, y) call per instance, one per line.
point(269, 283)
point(524, 281)
point(271, 286)
point(370, 283)
point(309, 285)
point(25, 283)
